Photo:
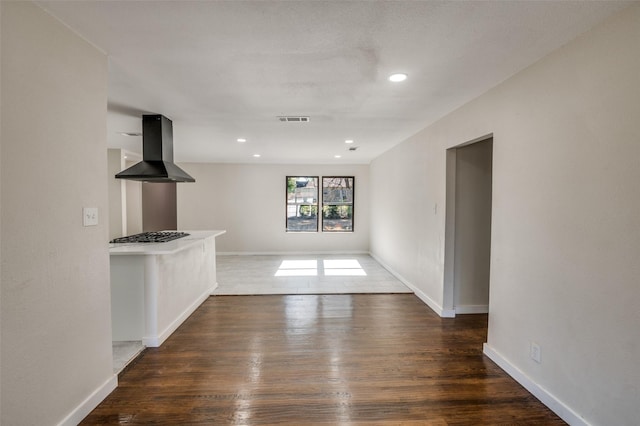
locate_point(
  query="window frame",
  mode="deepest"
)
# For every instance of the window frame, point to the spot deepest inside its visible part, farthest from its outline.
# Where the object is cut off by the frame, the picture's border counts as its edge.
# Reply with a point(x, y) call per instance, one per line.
point(317, 204)
point(351, 204)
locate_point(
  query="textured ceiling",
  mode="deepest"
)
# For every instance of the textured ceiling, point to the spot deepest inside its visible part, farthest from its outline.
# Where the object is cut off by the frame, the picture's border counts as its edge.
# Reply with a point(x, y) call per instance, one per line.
point(222, 70)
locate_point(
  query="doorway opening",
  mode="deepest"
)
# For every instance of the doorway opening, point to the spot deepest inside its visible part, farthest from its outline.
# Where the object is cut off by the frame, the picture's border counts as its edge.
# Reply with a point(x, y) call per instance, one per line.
point(468, 227)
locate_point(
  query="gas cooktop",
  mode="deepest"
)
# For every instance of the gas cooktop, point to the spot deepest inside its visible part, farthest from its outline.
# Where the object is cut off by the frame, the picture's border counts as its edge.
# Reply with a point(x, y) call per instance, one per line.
point(150, 237)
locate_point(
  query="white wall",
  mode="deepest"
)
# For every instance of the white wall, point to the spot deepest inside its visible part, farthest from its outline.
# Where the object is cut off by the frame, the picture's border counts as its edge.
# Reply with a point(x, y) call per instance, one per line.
point(133, 209)
point(117, 194)
point(565, 230)
point(125, 196)
point(56, 327)
point(248, 201)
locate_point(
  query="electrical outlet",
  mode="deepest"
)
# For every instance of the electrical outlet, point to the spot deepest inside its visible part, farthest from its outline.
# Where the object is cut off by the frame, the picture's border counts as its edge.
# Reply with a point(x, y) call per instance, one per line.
point(535, 352)
point(90, 216)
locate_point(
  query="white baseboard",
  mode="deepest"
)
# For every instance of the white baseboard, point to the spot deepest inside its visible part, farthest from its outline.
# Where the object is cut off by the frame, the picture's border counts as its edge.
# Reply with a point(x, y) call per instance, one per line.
point(546, 397)
point(290, 253)
point(91, 402)
point(155, 341)
point(472, 309)
point(444, 313)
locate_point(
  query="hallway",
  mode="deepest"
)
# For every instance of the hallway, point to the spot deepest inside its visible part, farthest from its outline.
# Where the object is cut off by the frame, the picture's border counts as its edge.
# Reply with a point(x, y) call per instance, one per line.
point(374, 359)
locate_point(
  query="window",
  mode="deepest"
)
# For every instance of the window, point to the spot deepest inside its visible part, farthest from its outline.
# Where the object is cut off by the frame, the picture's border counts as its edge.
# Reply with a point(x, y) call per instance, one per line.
point(302, 204)
point(337, 204)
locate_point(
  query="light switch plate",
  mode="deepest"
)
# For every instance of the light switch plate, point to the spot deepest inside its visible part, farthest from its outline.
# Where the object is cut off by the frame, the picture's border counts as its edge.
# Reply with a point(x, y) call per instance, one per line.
point(90, 216)
point(535, 352)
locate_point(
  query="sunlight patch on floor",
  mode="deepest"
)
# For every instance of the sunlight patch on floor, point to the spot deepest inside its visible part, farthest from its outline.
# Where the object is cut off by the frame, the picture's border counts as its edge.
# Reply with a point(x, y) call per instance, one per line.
point(298, 268)
point(343, 267)
point(330, 268)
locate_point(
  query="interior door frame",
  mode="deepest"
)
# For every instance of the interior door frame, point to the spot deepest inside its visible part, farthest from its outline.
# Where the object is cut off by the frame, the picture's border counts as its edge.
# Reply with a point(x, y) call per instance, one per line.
point(448, 302)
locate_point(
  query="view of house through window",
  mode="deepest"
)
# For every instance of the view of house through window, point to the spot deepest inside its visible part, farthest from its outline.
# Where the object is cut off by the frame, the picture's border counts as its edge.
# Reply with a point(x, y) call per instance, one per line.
point(337, 203)
point(302, 204)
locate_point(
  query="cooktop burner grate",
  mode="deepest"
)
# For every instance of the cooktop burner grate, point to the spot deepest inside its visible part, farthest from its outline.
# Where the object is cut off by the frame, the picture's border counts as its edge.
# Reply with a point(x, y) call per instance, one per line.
point(150, 237)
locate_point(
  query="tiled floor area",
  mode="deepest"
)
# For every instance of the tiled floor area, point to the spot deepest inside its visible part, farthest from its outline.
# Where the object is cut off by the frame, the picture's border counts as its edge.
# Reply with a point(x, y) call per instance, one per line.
point(124, 352)
point(304, 274)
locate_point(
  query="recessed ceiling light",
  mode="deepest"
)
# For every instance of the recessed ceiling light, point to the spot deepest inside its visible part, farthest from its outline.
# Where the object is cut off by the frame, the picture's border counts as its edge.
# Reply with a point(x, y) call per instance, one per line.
point(256, 155)
point(241, 140)
point(349, 141)
point(398, 77)
point(130, 133)
point(337, 156)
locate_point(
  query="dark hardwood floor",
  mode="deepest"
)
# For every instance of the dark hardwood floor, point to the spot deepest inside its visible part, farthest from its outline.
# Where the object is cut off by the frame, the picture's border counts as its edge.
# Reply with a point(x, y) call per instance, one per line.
point(382, 359)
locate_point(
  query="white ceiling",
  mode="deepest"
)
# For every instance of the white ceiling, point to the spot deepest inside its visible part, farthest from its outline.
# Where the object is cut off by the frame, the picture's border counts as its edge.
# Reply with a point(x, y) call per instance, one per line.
point(222, 70)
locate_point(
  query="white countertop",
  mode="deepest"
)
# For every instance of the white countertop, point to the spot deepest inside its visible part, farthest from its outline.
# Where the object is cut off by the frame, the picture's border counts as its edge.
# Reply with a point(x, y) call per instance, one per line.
point(169, 247)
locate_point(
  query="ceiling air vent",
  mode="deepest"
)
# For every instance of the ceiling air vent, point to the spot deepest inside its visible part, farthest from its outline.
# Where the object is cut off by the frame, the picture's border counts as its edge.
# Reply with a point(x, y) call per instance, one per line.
point(353, 148)
point(294, 119)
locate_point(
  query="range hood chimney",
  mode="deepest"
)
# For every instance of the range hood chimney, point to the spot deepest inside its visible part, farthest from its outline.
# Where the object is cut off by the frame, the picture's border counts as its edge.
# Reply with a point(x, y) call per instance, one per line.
point(157, 154)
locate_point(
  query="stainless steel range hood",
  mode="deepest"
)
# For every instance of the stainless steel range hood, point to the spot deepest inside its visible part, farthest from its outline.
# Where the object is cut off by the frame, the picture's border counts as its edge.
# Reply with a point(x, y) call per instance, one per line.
point(157, 154)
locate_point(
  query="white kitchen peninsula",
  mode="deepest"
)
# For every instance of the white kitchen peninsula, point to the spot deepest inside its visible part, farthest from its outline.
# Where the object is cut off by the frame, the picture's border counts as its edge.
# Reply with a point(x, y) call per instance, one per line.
point(156, 286)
